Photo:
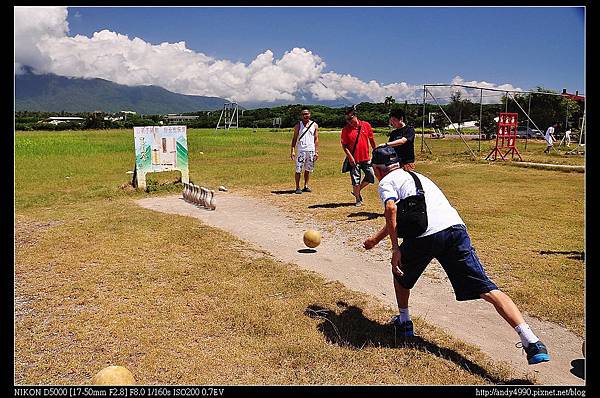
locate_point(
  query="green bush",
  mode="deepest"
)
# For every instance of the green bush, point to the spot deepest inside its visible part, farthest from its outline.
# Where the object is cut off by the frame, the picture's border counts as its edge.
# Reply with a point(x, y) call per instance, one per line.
point(151, 185)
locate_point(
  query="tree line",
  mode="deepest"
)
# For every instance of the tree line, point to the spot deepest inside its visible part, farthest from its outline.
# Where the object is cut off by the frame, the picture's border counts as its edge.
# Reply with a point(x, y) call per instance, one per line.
point(544, 111)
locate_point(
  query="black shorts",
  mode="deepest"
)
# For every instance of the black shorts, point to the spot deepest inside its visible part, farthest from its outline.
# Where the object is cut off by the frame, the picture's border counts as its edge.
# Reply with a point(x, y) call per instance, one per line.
point(452, 248)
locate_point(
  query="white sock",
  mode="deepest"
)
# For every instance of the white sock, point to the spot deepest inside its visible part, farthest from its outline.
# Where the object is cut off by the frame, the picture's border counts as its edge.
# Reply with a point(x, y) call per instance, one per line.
point(404, 315)
point(526, 334)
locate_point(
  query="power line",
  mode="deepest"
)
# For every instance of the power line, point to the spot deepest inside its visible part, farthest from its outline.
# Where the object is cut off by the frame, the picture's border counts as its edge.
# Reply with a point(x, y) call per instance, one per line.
point(341, 95)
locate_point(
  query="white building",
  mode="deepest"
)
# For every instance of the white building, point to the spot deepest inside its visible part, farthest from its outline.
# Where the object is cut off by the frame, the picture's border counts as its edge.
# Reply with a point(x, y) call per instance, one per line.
point(123, 116)
point(63, 119)
point(463, 125)
point(174, 118)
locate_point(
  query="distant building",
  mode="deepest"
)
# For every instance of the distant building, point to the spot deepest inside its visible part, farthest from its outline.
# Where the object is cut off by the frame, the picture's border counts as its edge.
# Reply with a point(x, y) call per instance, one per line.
point(114, 118)
point(463, 125)
point(62, 119)
point(121, 115)
point(574, 97)
point(172, 118)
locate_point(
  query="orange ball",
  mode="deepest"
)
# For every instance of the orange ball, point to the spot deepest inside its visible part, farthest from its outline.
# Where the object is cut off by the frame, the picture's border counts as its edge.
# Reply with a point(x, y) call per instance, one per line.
point(113, 376)
point(312, 238)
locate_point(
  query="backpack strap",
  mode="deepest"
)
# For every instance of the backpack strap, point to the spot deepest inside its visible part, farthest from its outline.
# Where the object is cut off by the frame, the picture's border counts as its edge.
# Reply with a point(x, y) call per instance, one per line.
point(357, 137)
point(420, 190)
point(306, 130)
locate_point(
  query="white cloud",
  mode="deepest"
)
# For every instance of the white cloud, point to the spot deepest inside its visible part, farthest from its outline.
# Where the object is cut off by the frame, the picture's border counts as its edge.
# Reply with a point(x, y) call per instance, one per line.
point(32, 26)
point(336, 85)
point(42, 41)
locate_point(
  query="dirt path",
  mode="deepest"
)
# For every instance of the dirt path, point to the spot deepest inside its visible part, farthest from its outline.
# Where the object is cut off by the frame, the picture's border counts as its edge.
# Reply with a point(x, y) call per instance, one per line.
point(567, 167)
point(432, 299)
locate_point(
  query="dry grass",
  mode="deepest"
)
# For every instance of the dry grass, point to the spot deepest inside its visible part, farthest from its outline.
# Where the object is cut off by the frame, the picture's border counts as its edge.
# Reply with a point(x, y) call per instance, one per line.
point(101, 281)
point(532, 152)
point(177, 302)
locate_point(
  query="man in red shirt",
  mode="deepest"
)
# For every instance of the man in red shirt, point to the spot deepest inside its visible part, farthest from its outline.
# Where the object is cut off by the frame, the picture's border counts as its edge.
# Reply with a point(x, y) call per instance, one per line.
point(358, 152)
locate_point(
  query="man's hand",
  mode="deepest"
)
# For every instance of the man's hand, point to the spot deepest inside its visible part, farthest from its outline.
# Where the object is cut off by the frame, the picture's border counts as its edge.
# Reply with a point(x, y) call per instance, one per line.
point(352, 162)
point(396, 263)
point(316, 156)
point(370, 243)
point(293, 155)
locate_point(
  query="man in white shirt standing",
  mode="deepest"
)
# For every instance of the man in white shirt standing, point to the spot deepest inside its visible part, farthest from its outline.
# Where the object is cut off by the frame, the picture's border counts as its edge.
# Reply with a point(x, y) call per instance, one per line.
point(549, 137)
point(568, 137)
point(445, 238)
point(306, 137)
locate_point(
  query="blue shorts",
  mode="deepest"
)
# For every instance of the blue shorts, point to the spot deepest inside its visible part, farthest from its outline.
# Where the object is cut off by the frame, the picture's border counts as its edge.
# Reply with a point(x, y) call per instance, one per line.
point(452, 248)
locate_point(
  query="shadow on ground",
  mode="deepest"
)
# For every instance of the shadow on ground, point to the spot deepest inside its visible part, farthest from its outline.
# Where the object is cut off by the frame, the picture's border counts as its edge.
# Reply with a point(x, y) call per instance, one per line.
point(367, 214)
point(350, 328)
point(307, 251)
point(574, 255)
point(578, 368)
point(331, 205)
point(286, 192)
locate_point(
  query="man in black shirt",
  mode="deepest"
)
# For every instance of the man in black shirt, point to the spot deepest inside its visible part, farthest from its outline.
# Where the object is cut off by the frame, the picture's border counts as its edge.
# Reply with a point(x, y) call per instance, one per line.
point(402, 139)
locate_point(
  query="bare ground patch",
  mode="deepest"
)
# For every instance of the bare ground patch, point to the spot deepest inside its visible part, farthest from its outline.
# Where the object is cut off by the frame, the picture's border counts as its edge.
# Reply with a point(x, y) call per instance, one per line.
point(27, 231)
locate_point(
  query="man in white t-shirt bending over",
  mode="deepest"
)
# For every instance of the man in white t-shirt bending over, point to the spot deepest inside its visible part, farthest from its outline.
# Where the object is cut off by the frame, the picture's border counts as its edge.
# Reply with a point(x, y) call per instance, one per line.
point(306, 136)
point(445, 239)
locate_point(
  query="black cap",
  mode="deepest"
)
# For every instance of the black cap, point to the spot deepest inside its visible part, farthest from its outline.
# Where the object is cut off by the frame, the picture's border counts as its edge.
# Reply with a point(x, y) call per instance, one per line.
point(384, 155)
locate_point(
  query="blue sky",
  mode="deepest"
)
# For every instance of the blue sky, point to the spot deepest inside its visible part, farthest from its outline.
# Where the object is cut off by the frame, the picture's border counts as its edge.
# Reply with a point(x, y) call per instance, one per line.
point(522, 46)
point(310, 54)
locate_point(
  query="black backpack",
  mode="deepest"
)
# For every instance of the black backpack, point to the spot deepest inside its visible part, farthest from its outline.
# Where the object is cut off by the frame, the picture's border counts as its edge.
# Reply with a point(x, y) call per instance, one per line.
point(411, 212)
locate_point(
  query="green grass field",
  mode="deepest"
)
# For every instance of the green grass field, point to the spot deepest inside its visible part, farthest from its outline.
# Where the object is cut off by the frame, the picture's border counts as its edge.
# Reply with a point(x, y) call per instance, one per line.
point(87, 295)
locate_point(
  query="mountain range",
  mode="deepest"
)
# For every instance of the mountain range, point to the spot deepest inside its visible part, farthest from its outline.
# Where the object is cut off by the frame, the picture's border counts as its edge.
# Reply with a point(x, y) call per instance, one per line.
point(54, 93)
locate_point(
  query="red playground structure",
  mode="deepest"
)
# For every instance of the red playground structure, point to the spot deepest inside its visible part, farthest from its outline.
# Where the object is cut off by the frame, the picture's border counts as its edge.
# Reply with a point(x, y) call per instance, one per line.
point(506, 137)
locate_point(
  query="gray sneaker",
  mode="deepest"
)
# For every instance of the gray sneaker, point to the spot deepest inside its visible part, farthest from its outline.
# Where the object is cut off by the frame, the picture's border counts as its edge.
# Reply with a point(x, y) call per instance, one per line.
point(298, 190)
point(358, 203)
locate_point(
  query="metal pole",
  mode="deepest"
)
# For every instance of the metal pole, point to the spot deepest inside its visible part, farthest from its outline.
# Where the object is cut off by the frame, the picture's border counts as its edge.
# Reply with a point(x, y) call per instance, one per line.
point(423, 128)
point(566, 115)
point(229, 118)
point(452, 124)
point(459, 115)
point(581, 132)
point(506, 100)
point(219, 122)
point(493, 89)
point(528, 112)
point(480, 116)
